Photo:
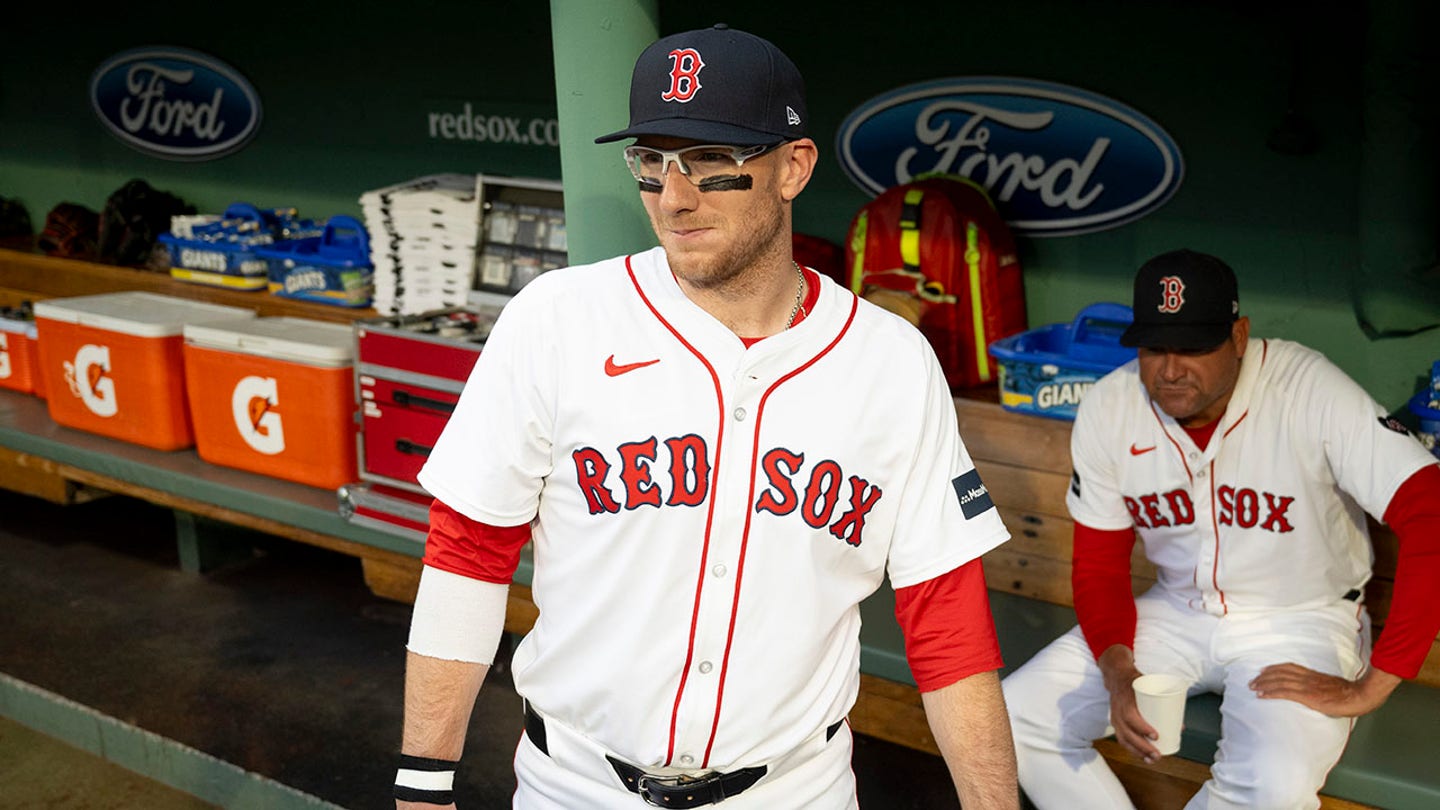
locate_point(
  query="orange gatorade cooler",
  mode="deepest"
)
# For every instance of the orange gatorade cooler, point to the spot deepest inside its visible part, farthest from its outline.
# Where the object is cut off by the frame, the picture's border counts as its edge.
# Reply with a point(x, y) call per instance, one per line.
point(275, 396)
point(19, 362)
point(112, 363)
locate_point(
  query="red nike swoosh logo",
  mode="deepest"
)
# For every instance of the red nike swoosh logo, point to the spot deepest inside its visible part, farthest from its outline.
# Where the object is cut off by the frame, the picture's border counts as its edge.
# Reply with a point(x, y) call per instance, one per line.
point(1140, 451)
point(614, 370)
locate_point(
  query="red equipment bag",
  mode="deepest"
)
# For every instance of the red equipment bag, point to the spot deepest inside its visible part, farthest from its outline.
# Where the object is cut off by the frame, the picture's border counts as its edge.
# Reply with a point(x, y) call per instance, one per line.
point(936, 252)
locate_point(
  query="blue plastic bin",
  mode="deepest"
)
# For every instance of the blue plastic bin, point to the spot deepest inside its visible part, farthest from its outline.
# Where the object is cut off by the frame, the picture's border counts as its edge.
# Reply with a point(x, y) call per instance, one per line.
point(225, 253)
point(1429, 417)
point(332, 268)
point(1046, 371)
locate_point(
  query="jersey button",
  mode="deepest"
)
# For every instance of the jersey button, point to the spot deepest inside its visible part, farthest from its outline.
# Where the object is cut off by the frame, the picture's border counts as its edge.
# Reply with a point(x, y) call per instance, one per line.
point(705, 667)
point(719, 570)
point(686, 759)
point(739, 414)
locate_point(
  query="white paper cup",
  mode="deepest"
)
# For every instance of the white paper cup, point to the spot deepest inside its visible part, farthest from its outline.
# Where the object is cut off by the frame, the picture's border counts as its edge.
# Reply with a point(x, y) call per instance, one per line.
point(1161, 700)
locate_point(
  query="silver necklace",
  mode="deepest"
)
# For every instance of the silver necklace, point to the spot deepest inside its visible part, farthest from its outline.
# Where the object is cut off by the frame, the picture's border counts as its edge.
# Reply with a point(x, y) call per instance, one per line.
point(799, 295)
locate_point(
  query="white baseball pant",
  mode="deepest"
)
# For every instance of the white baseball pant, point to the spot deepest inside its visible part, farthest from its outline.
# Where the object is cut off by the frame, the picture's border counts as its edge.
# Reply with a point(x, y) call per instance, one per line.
point(1273, 754)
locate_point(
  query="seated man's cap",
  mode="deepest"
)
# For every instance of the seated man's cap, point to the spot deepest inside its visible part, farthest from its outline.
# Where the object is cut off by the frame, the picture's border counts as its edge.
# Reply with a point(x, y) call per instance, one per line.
point(1183, 300)
point(715, 85)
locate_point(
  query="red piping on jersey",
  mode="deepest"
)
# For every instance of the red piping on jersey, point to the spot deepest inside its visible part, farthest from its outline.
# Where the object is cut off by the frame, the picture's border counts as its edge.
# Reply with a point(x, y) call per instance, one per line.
point(1265, 352)
point(749, 513)
point(1215, 567)
point(1237, 424)
point(709, 511)
point(1178, 450)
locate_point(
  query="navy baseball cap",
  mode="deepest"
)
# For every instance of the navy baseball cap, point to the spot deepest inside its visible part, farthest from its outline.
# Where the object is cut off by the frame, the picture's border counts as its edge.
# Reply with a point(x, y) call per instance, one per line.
point(715, 85)
point(1183, 300)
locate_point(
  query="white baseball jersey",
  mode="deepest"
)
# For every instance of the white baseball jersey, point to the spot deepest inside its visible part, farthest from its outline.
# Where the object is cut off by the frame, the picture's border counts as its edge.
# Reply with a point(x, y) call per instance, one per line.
point(1268, 516)
point(709, 516)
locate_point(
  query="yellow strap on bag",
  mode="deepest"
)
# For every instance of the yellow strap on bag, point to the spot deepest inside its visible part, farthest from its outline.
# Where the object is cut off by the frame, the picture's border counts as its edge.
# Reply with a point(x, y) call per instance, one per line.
point(910, 230)
point(857, 249)
point(977, 308)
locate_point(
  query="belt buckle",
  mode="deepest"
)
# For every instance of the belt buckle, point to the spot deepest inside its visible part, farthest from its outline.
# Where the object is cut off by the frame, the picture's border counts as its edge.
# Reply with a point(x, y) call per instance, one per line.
point(642, 785)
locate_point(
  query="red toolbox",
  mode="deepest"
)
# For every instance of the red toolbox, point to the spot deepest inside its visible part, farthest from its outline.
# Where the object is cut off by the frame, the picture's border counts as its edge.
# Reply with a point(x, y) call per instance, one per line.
point(408, 376)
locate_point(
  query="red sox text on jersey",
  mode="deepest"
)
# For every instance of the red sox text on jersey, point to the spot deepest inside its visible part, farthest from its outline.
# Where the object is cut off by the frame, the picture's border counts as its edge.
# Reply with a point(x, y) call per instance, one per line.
point(1236, 506)
point(685, 482)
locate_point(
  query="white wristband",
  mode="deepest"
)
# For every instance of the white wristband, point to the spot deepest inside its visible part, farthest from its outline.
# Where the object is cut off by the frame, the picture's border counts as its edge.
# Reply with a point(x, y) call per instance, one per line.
point(425, 780)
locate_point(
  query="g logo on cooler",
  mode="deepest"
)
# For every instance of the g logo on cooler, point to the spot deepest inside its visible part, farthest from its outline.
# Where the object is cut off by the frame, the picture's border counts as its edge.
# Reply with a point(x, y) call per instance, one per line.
point(87, 380)
point(253, 404)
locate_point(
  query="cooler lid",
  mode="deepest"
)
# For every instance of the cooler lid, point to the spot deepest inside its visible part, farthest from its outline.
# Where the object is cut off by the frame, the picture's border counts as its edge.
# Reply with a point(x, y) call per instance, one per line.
point(137, 313)
point(297, 340)
point(16, 326)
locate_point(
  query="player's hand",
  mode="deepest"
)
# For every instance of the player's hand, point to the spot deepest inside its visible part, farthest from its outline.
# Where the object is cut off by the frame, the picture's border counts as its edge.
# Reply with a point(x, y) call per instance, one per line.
point(1117, 664)
point(399, 805)
point(1328, 694)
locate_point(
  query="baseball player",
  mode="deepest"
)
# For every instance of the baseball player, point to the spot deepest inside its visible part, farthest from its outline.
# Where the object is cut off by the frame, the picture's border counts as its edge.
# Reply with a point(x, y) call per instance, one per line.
point(1246, 466)
point(705, 520)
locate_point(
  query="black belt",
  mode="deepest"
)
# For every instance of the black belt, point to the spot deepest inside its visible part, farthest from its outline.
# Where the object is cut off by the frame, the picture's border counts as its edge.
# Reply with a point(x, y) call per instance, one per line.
point(669, 791)
point(685, 791)
point(1352, 595)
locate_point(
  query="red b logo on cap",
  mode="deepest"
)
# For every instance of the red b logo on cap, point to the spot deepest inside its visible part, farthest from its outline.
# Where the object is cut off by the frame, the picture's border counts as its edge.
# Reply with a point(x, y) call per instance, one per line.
point(1172, 294)
point(684, 75)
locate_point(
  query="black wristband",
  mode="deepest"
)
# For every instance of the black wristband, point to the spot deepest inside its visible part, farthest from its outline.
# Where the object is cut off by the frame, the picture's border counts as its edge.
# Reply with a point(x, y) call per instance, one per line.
point(426, 780)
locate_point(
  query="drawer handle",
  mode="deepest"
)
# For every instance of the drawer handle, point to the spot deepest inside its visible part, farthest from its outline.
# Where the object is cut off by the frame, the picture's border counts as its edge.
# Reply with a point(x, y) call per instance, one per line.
point(407, 446)
point(407, 398)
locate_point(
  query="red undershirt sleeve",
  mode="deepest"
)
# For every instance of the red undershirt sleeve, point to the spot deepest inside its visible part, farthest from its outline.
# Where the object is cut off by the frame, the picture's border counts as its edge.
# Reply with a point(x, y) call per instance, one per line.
point(473, 549)
point(949, 632)
point(1414, 619)
point(1100, 579)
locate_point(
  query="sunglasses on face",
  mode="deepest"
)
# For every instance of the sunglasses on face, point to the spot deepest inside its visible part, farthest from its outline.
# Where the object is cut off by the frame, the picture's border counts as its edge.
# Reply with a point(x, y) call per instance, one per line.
point(707, 166)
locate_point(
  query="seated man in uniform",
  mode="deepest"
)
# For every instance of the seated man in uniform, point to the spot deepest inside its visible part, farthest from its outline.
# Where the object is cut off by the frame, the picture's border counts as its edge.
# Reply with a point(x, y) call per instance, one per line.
point(1246, 466)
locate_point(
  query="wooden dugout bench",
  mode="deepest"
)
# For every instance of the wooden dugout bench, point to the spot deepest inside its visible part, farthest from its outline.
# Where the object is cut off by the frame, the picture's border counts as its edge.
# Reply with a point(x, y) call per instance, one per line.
point(1024, 460)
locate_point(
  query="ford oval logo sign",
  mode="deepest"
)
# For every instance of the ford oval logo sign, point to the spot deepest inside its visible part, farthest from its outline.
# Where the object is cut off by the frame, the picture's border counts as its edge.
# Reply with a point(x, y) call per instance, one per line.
point(174, 103)
point(1056, 160)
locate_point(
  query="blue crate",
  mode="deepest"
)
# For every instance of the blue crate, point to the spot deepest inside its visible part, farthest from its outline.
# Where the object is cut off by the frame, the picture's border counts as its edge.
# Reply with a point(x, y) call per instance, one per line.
point(224, 253)
point(1046, 371)
point(332, 268)
point(1429, 432)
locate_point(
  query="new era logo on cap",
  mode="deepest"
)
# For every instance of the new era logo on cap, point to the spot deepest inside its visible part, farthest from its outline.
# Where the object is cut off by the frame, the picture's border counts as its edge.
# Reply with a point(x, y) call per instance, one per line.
point(715, 85)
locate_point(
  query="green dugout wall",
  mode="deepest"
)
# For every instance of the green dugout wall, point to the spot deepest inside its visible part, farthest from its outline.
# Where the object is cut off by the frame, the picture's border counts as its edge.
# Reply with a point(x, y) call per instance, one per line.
point(1334, 236)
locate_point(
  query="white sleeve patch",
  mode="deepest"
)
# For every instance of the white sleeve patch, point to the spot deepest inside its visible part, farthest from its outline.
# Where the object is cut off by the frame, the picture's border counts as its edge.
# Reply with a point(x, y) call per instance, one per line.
point(457, 618)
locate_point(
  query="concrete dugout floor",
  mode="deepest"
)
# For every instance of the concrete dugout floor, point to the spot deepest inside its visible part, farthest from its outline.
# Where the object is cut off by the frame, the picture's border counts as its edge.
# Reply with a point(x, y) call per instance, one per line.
point(272, 682)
